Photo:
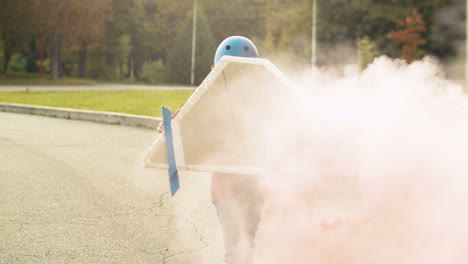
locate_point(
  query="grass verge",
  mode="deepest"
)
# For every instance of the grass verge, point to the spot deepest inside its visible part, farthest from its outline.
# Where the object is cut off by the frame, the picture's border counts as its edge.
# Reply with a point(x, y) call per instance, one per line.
point(23, 78)
point(137, 102)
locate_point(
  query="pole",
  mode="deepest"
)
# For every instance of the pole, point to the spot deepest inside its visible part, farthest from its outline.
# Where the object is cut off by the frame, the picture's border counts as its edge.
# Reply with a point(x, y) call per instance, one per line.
point(313, 59)
point(41, 54)
point(194, 43)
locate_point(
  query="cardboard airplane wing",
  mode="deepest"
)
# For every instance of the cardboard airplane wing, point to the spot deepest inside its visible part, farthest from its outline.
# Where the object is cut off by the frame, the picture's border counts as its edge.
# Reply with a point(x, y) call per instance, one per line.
point(222, 125)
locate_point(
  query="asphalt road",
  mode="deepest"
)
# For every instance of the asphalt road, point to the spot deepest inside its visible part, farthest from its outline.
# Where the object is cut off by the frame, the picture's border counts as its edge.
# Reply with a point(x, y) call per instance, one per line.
point(78, 192)
point(102, 86)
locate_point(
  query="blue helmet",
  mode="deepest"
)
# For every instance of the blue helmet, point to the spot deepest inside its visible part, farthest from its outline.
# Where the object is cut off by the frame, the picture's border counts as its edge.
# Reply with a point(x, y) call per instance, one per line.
point(236, 46)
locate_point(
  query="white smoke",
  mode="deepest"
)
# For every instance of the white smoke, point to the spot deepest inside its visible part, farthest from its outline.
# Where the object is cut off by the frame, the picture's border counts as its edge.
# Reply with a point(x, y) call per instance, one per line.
point(369, 169)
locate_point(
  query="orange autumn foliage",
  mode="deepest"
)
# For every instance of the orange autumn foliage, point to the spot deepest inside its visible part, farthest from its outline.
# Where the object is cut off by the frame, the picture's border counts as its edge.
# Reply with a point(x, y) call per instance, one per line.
point(410, 35)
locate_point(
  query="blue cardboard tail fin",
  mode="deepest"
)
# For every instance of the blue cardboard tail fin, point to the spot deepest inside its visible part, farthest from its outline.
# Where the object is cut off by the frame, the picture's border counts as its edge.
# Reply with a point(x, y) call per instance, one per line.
point(173, 173)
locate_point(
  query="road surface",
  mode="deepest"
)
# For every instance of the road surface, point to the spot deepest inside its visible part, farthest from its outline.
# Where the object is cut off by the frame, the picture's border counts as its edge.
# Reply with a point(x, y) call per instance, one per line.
point(77, 192)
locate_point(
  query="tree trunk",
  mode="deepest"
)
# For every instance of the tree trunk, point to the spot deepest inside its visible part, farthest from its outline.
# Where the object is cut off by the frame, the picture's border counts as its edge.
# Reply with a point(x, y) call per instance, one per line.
point(7, 56)
point(7, 51)
point(55, 62)
point(41, 55)
point(131, 67)
point(59, 56)
point(82, 62)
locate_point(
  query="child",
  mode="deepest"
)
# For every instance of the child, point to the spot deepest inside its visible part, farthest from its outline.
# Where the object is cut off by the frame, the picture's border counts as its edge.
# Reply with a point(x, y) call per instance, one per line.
point(238, 199)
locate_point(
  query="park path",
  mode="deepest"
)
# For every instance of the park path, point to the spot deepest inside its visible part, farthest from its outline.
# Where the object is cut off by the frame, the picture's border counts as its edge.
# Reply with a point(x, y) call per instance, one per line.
point(23, 87)
point(78, 192)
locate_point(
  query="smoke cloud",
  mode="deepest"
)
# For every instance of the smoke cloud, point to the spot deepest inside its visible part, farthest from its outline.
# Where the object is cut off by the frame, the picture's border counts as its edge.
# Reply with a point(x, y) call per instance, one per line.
point(370, 168)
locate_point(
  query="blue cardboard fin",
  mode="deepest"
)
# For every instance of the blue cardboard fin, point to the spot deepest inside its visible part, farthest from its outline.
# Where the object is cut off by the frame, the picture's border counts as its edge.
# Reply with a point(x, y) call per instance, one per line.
point(173, 173)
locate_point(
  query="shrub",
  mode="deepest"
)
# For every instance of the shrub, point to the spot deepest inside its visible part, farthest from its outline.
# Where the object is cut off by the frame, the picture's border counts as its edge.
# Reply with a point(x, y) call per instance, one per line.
point(101, 62)
point(17, 63)
point(367, 52)
point(154, 72)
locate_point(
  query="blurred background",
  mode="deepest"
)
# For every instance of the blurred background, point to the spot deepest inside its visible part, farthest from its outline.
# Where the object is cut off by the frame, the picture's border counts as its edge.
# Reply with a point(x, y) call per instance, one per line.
point(150, 41)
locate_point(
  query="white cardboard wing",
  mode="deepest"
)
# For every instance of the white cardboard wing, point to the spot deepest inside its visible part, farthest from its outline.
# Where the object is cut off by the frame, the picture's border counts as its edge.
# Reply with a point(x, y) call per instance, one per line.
point(221, 126)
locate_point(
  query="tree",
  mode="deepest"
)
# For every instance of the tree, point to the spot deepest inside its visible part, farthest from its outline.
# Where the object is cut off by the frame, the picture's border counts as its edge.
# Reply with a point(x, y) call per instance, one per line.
point(379, 18)
point(129, 17)
point(73, 30)
point(66, 21)
point(179, 59)
point(289, 40)
point(13, 29)
point(447, 32)
point(53, 20)
point(410, 35)
point(122, 51)
point(366, 52)
point(169, 17)
point(89, 18)
point(236, 17)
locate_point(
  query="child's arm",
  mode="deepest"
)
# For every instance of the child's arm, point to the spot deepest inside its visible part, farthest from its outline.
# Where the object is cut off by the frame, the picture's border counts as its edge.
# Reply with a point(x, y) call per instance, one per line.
point(160, 128)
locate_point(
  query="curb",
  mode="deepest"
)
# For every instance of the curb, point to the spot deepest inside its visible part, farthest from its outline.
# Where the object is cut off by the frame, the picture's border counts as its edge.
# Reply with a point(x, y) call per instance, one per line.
point(84, 115)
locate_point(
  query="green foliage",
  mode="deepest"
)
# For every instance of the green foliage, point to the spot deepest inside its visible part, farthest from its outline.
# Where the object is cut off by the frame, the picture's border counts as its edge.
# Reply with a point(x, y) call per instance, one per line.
point(21, 75)
point(17, 63)
point(143, 31)
point(448, 30)
point(32, 55)
point(154, 72)
point(237, 17)
point(179, 60)
point(2, 56)
point(291, 38)
point(377, 19)
point(122, 51)
point(367, 52)
point(166, 19)
point(45, 64)
point(101, 62)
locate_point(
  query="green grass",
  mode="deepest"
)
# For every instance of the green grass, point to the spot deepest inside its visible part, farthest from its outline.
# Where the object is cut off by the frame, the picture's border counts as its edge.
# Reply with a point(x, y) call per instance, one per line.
point(24, 78)
point(137, 102)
